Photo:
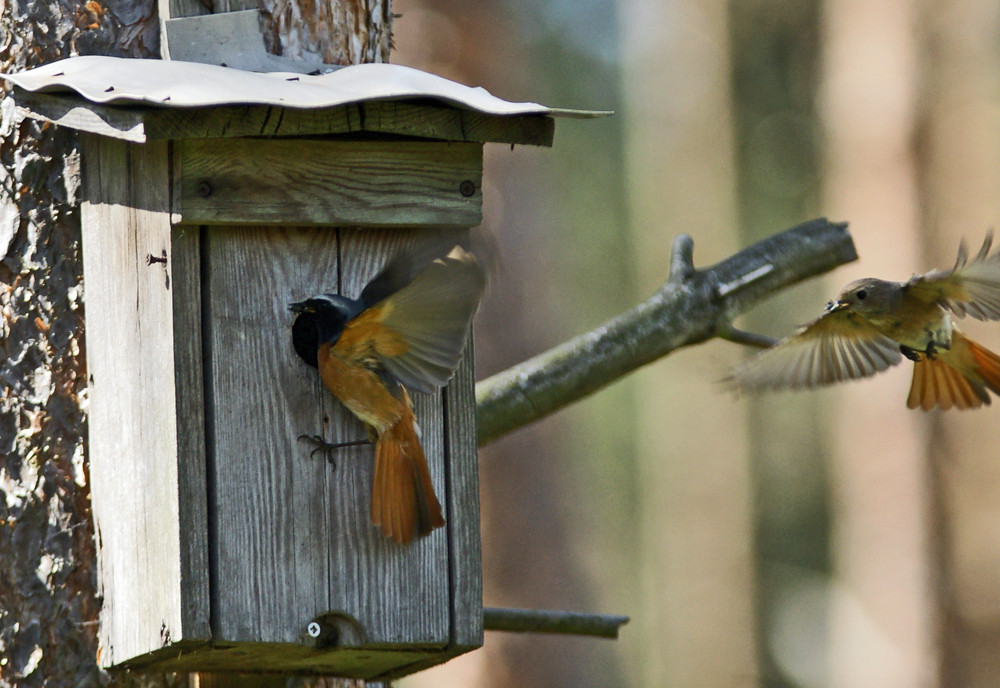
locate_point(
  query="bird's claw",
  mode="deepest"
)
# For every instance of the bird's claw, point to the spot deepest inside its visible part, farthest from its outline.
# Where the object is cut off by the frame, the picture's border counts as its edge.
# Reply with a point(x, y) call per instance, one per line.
point(329, 448)
point(909, 353)
point(321, 446)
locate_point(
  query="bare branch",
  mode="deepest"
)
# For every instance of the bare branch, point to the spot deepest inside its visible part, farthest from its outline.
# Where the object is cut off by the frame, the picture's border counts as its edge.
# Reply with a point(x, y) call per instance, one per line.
point(544, 621)
point(693, 306)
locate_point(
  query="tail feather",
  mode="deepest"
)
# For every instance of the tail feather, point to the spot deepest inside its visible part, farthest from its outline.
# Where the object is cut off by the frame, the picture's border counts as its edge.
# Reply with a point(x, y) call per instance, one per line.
point(403, 502)
point(958, 377)
point(987, 365)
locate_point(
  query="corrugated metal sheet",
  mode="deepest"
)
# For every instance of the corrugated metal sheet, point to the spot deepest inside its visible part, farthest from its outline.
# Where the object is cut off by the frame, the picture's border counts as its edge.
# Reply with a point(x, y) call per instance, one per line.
point(172, 83)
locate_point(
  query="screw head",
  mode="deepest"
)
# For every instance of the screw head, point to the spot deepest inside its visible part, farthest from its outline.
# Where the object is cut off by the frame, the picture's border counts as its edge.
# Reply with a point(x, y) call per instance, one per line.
point(467, 188)
point(204, 189)
point(314, 629)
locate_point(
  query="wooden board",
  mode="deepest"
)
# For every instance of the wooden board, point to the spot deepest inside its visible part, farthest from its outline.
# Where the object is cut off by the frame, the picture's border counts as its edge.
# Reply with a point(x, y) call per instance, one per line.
point(463, 503)
point(292, 536)
point(352, 183)
point(184, 271)
point(392, 118)
point(231, 664)
point(133, 440)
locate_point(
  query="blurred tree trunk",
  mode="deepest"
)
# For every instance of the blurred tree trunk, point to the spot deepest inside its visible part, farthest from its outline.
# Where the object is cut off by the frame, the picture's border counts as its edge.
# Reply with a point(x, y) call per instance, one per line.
point(958, 149)
point(48, 592)
point(694, 589)
point(774, 53)
point(882, 607)
point(555, 495)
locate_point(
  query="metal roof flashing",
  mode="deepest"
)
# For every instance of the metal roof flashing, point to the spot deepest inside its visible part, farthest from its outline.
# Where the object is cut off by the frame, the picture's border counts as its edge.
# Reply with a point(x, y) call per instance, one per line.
point(111, 88)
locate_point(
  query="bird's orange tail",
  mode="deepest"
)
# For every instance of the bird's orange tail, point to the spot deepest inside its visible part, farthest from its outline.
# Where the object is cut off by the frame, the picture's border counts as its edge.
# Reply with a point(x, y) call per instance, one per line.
point(958, 377)
point(403, 501)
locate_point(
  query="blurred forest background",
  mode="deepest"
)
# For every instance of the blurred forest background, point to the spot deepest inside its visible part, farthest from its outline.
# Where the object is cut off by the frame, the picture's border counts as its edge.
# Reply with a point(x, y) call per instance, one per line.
point(825, 539)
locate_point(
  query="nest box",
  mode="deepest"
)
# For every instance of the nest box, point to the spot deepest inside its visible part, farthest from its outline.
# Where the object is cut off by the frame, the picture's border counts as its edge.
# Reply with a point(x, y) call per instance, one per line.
point(212, 198)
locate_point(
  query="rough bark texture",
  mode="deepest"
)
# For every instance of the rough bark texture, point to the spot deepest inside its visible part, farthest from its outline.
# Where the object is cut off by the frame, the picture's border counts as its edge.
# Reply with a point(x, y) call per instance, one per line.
point(48, 597)
point(344, 32)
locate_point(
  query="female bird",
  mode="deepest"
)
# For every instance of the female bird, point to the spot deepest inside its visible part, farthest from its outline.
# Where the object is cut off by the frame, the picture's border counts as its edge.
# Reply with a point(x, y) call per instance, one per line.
point(406, 330)
point(874, 323)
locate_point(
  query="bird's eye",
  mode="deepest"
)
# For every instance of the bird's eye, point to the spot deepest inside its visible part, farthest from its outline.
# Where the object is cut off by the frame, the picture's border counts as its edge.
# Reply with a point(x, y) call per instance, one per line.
point(861, 294)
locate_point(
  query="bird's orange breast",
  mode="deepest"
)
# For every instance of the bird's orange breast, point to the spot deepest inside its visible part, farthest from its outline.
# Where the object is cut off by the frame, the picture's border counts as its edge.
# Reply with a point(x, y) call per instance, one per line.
point(359, 388)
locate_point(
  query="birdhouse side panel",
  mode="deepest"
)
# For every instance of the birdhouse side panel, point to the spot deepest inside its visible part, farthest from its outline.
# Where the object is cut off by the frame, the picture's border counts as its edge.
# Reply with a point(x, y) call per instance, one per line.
point(132, 422)
point(292, 535)
point(462, 467)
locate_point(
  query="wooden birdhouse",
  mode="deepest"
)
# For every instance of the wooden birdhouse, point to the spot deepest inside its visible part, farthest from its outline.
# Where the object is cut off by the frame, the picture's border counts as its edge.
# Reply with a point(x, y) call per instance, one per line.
point(212, 198)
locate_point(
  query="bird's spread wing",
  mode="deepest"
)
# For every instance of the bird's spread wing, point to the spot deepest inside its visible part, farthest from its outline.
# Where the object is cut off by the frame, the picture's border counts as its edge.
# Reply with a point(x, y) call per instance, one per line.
point(969, 288)
point(418, 333)
point(841, 345)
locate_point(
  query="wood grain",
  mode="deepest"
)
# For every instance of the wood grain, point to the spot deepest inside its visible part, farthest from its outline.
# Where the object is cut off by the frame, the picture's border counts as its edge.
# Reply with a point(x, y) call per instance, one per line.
point(180, 8)
point(293, 536)
point(394, 118)
point(306, 182)
point(132, 425)
point(465, 556)
point(417, 574)
point(184, 266)
point(269, 504)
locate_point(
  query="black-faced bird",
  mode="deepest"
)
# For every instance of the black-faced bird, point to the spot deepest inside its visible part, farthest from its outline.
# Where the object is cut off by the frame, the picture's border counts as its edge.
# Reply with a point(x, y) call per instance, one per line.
point(405, 332)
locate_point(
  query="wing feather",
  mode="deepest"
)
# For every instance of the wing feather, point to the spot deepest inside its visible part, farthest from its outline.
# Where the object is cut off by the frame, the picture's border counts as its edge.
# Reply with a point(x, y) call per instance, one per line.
point(839, 346)
point(420, 331)
point(970, 288)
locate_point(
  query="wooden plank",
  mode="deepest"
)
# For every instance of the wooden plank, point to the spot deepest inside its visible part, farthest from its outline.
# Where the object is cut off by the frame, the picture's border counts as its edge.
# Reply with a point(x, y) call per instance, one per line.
point(397, 118)
point(184, 265)
point(132, 424)
point(416, 596)
point(181, 8)
point(82, 115)
point(269, 503)
point(293, 538)
point(451, 124)
point(465, 555)
point(356, 183)
point(286, 658)
point(236, 5)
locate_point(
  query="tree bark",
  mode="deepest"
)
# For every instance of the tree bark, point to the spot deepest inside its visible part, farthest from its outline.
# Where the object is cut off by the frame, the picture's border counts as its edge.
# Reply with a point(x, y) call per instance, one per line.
point(48, 597)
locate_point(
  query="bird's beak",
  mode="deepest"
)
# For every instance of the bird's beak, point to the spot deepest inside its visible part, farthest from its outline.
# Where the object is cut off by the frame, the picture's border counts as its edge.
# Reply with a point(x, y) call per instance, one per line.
point(297, 307)
point(835, 306)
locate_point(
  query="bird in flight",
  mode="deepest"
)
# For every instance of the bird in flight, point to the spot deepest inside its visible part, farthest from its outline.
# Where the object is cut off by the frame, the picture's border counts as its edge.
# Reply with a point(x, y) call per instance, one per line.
point(873, 324)
point(405, 332)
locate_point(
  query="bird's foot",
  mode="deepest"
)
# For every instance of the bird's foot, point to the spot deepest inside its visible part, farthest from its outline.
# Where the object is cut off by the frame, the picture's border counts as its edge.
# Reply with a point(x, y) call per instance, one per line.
point(328, 448)
point(931, 350)
point(911, 354)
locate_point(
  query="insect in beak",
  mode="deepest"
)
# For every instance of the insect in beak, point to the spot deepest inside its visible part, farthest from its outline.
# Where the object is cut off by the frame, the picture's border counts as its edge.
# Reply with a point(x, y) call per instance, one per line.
point(834, 306)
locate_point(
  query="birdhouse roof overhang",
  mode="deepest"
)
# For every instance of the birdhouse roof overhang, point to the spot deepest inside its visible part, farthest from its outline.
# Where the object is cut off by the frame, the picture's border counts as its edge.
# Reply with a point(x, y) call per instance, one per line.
point(140, 100)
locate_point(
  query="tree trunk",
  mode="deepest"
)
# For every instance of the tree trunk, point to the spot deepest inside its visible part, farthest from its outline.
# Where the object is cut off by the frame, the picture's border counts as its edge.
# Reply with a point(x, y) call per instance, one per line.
point(957, 148)
point(774, 56)
point(49, 601)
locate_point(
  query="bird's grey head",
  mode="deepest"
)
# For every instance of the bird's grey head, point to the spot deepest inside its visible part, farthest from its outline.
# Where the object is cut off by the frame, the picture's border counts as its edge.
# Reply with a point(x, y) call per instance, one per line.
point(869, 296)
